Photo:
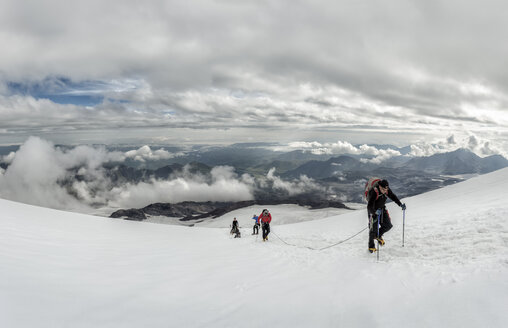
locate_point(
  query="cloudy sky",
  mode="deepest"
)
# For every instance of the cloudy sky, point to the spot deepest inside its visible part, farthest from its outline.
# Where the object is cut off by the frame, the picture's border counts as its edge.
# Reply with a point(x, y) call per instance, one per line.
point(227, 71)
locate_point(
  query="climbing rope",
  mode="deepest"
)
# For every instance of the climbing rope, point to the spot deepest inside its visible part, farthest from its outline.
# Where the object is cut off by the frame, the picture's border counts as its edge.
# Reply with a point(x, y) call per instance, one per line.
point(322, 248)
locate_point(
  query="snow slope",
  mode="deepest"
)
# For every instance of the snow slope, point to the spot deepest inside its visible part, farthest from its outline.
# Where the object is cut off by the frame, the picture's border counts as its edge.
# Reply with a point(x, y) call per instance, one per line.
point(286, 213)
point(60, 269)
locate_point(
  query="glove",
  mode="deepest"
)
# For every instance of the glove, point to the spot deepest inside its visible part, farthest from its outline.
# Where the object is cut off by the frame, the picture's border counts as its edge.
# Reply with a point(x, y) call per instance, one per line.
point(403, 206)
point(378, 212)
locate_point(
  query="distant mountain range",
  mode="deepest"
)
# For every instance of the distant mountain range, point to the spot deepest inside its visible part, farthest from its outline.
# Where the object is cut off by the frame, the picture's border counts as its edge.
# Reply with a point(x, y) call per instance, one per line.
point(191, 211)
point(461, 161)
point(121, 173)
point(458, 162)
point(340, 179)
point(324, 169)
point(335, 179)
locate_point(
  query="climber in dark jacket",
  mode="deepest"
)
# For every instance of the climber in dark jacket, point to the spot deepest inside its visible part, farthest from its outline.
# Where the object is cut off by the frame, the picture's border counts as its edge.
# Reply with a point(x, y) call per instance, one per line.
point(235, 229)
point(376, 208)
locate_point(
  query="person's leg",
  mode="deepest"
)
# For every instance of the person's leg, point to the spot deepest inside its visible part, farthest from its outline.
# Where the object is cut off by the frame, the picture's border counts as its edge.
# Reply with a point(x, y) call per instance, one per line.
point(372, 231)
point(266, 230)
point(386, 223)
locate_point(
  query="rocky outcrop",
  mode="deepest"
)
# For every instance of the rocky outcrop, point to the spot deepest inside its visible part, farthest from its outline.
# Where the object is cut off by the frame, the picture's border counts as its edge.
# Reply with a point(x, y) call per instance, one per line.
point(131, 214)
point(188, 211)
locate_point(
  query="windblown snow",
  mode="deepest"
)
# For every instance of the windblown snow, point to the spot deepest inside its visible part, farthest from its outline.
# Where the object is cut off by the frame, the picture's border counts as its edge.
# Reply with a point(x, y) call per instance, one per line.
point(61, 269)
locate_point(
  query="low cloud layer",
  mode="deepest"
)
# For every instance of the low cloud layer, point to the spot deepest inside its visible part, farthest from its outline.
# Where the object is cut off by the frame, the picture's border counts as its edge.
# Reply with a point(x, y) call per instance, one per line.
point(224, 185)
point(34, 173)
point(145, 153)
point(294, 187)
point(480, 146)
point(343, 147)
point(41, 173)
point(74, 178)
point(38, 172)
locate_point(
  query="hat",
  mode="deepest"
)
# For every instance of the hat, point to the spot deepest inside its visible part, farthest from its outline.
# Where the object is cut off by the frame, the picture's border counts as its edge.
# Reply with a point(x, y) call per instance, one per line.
point(383, 183)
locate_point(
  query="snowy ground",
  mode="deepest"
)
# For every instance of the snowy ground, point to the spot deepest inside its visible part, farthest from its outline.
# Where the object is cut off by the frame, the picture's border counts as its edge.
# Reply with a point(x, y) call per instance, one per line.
point(60, 269)
point(285, 214)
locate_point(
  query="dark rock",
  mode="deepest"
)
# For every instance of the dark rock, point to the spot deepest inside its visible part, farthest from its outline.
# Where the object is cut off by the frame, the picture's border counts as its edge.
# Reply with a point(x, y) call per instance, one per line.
point(190, 211)
point(184, 209)
point(131, 214)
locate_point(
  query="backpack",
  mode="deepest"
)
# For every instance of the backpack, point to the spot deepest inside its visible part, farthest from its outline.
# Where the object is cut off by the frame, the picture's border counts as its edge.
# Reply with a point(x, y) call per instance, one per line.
point(371, 183)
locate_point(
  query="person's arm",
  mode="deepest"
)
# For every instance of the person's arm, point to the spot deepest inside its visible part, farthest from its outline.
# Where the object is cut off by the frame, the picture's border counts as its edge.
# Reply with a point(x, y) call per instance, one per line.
point(394, 197)
point(372, 201)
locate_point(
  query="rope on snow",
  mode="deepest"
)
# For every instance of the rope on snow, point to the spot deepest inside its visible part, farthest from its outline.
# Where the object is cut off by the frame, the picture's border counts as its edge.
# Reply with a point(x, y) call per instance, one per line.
point(322, 248)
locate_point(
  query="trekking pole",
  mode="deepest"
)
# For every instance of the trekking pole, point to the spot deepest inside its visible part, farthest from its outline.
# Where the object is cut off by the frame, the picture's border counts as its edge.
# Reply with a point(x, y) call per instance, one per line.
point(403, 225)
point(378, 224)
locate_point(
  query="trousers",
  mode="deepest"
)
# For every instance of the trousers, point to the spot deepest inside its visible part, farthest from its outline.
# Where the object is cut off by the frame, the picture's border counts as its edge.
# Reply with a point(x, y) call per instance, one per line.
point(385, 224)
point(266, 230)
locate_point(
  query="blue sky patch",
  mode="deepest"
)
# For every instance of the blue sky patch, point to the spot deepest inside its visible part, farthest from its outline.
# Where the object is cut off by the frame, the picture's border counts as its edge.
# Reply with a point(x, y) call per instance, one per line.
point(62, 90)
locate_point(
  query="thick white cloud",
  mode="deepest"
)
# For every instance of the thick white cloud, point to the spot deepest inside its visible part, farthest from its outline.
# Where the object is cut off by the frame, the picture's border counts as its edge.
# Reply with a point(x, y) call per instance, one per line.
point(33, 175)
point(479, 146)
point(38, 168)
point(298, 186)
point(9, 158)
point(41, 173)
point(178, 190)
point(146, 153)
point(381, 155)
point(344, 147)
